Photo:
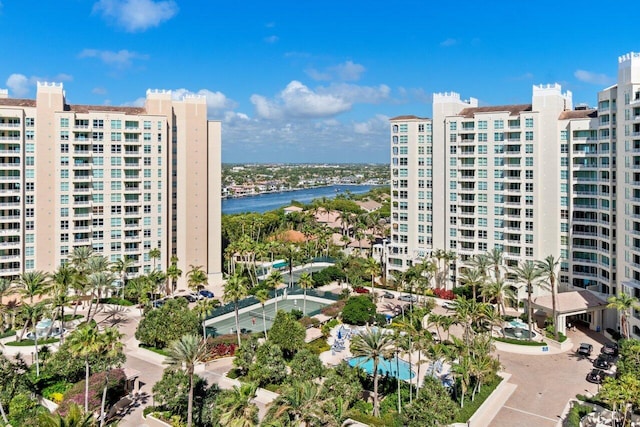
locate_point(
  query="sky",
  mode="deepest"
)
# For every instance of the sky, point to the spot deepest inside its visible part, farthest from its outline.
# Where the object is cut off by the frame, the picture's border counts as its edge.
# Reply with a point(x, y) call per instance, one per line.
point(307, 81)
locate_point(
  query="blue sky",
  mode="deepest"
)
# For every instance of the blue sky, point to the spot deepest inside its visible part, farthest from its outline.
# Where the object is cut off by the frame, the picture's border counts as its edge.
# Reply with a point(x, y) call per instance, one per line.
point(302, 81)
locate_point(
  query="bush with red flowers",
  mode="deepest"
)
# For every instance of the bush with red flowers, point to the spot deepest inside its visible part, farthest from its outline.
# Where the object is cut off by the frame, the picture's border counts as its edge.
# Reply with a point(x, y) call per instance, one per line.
point(115, 390)
point(444, 294)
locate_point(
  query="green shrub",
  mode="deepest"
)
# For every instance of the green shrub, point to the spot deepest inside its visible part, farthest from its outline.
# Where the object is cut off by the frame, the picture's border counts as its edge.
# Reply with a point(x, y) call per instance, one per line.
point(7, 333)
point(319, 345)
point(575, 414)
point(359, 310)
point(334, 309)
point(521, 342)
point(116, 301)
point(60, 387)
point(471, 406)
point(27, 343)
point(326, 328)
point(309, 322)
point(148, 410)
point(159, 351)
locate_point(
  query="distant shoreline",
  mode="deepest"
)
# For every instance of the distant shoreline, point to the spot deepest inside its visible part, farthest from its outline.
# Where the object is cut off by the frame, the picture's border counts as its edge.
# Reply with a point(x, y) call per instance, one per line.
point(288, 190)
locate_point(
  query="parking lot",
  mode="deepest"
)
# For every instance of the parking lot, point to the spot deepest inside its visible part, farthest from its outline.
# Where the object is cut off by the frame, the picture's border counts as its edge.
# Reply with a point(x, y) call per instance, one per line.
point(545, 383)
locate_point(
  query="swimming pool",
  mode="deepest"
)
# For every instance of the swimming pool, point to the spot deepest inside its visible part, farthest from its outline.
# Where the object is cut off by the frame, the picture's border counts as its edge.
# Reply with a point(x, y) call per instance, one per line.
point(385, 367)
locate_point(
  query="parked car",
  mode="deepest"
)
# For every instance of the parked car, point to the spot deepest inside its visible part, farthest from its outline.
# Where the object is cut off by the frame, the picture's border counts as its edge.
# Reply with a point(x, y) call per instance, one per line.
point(585, 349)
point(388, 295)
point(610, 349)
point(603, 362)
point(191, 295)
point(205, 293)
point(158, 303)
point(410, 298)
point(596, 376)
point(361, 290)
point(188, 297)
point(449, 305)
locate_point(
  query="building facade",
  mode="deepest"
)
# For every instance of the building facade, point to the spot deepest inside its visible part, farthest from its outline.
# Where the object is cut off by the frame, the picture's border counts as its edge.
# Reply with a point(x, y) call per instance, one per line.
point(532, 180)
point(122, 180)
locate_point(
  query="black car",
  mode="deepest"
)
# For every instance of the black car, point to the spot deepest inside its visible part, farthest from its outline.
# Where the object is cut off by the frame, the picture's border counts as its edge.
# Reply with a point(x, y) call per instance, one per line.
point(585, 349)
point(388, 295)
point(602, 362)
point(205, 293)
point(596, 376)
point(188, 297)
point(610, 349)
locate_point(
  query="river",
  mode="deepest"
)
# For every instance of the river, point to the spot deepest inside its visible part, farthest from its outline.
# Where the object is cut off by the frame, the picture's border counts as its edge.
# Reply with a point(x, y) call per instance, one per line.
point(268, 202)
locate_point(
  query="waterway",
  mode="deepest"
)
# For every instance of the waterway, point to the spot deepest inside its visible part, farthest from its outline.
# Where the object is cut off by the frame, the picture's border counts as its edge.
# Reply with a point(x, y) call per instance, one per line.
point(270, 201)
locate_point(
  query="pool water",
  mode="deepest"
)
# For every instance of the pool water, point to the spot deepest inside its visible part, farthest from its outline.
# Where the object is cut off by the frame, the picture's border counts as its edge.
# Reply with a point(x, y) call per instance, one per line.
point(385, 367)
point(518, 333)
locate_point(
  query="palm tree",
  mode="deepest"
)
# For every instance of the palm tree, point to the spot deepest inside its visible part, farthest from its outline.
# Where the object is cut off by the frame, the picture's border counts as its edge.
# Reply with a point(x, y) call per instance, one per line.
point(85, 342)
point(33, 313)
point(31, 284)
point(235, 289)
point(61, 281)
point(109, 345)
point(98, 281)
point(174, 273)
point(528, 274)
point(203, 307)
point(472, 277)
point(482, 263)
point(498, 291)
point(237, 407)
point(298, 405)
point(274, 280)
point(495, 261)
point(155, 255)
point(121, 269)
point(372, 345)
point(623, 302)
point(372, 268)
point(449, 257)
point(74, 418)
point(185, 353)
point(196, 277)
point(548, 269)
point(305, 282)
point(262, 295)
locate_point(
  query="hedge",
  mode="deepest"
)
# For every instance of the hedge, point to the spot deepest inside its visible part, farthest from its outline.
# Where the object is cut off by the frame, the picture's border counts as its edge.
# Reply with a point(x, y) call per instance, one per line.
point(521, 342)
point(29, 343)
point(471, 406)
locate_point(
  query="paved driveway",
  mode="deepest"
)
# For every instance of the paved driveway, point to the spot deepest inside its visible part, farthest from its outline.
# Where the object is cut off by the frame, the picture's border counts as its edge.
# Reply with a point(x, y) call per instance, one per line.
point(545, 383)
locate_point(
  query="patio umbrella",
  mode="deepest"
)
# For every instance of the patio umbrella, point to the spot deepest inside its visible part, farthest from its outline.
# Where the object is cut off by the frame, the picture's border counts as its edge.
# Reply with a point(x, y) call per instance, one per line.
point(340, 334)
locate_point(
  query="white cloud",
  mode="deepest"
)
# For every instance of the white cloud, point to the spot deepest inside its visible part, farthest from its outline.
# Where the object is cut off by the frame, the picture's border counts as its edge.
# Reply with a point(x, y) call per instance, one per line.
point(120, 59)
point(271, 39)
point(375, 125)
point(348, 71)
point(99, 91)
point(593, 78)
point(216, 101)
point(358, 94)
point(297, 100)
point(18, 84)
point(448, 42)
point(136, 15)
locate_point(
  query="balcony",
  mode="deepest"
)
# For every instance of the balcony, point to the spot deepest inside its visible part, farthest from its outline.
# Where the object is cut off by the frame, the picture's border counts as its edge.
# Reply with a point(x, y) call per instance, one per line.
point(9, 232)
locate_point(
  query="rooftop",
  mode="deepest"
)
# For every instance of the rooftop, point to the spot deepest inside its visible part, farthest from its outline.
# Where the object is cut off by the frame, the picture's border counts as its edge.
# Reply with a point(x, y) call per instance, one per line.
point(513, 110)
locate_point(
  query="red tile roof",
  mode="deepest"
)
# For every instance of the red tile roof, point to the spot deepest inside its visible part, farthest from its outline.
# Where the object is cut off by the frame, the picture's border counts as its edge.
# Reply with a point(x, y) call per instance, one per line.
point(513, 110)
point(578, 114)
point(409, 117)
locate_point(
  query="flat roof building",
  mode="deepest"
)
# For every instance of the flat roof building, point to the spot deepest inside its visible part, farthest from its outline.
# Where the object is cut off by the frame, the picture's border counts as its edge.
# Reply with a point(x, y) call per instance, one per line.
point(121, 180)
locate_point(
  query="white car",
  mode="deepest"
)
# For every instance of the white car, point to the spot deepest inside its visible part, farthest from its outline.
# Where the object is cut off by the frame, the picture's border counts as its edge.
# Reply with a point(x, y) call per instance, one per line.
point(449, 305)
point(184, 292)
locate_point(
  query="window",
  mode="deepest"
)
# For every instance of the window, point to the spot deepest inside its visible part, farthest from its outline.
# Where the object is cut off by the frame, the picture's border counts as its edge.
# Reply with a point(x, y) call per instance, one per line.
point(498, 136)
point(528, 135)
point(116, 124)
point(528, 122)
point(98, 123)
point(453, 126)
point(498, 124)
point(64, 122)
point(528, 148)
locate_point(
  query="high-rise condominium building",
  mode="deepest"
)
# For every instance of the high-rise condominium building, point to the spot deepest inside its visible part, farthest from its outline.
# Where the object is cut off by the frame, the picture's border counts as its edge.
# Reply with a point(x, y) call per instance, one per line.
point(122, 180)
point(532, 180)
